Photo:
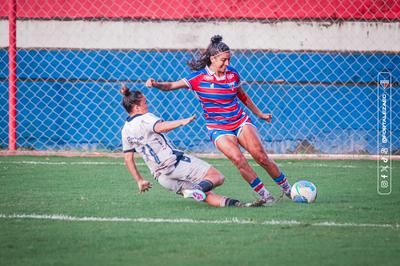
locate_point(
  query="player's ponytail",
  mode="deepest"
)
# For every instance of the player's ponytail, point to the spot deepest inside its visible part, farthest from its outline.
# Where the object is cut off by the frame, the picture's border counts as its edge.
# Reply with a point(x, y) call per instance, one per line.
point(125, 91)
point(130, 98)
point(215, 47)
point(216, 39)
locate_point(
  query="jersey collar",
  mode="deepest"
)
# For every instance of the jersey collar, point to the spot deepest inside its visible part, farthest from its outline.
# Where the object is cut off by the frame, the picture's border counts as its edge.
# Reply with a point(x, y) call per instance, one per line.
point(212, 73)
point(130, 118)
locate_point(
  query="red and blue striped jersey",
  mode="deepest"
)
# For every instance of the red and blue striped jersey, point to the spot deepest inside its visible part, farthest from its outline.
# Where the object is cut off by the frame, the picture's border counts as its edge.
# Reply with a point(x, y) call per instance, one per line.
point(218, 97)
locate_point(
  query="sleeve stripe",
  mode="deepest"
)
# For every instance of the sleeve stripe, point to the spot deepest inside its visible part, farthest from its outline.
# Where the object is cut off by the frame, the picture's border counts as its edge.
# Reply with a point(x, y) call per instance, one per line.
point(131, 150)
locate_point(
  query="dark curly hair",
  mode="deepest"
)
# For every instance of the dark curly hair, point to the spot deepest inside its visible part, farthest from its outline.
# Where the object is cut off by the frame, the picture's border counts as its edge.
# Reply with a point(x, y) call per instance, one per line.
point(215, 47)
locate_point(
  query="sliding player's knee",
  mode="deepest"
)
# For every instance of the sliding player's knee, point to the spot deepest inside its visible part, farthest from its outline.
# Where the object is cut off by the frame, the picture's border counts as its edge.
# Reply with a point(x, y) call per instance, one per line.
point(219, 179)
point(215, 176)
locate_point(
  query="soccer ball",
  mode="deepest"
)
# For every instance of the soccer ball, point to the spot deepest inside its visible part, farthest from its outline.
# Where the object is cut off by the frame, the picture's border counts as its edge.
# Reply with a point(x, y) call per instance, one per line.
point(303, 192)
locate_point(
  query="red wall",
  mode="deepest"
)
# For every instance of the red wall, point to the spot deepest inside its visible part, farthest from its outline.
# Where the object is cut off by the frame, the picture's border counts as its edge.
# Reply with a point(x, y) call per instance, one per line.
point(184, 9)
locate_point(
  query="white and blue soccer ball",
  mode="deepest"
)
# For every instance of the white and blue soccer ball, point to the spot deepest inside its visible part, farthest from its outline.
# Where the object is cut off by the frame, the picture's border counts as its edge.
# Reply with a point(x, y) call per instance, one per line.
point(303, 192)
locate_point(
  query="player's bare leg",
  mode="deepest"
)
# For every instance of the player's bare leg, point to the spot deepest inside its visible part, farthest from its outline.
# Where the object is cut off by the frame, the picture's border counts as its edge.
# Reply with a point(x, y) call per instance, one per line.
point(229, 146)
point(250, 140)
point(221, 201)
point(213, 199)
point(212, 179)
point(215, 176)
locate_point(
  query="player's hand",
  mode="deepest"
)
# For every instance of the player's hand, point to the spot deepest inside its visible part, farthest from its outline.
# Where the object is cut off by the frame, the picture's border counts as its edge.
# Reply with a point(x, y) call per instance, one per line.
point(266, 117)
point(188, 120)
point(144, 186)
point(150, 83)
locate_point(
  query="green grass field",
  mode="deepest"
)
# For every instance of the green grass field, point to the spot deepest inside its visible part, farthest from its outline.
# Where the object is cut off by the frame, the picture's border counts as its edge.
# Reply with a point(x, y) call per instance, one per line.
point(349, 224)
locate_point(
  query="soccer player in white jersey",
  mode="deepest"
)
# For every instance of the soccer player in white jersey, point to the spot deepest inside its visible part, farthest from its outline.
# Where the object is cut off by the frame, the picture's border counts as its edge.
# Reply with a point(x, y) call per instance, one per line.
point(183, 174)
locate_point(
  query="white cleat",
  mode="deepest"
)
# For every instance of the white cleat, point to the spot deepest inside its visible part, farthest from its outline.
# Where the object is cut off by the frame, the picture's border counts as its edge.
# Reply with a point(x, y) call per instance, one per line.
point(270, 200)
point(195, 194)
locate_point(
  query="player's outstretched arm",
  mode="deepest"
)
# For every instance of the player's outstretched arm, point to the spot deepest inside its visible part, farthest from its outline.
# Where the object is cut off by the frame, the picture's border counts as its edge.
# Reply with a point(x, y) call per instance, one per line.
point(162, 127)
point(166, 86)
point(143, 185)
point(242, 95)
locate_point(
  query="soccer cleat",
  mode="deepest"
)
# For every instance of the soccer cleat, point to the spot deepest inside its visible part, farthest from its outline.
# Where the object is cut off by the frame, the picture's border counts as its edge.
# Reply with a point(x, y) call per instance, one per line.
point(240, 204)
point(270, 200)
point(253, 204)
point(195, 194)
point(286, 192)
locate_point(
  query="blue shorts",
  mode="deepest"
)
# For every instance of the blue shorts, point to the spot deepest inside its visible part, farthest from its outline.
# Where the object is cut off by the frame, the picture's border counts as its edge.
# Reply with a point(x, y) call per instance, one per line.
point(215, 134)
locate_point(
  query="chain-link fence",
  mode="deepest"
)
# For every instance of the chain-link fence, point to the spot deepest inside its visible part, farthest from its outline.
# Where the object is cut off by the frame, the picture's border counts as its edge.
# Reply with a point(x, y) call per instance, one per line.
point(313, 64)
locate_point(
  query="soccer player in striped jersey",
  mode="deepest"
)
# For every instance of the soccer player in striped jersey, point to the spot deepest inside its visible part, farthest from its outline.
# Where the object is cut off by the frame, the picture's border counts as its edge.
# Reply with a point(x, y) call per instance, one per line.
point(217, 86)
point(183, 174)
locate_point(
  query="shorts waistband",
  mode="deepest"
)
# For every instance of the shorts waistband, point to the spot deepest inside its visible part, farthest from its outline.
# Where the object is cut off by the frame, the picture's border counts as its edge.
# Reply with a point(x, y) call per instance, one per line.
point(181, 157)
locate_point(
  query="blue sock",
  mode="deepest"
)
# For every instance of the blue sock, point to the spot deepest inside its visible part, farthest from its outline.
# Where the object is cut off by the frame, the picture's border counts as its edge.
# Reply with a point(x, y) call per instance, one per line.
point(282, 181)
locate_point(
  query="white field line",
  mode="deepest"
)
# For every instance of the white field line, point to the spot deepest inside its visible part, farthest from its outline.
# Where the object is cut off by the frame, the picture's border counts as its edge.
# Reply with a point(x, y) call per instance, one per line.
point(60, 217)
point(322, 165)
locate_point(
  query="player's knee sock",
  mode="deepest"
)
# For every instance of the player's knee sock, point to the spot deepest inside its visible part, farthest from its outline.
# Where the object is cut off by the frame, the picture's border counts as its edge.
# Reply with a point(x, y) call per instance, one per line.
point(226, 202)
point(204, 185)
point(258, 187)
point(282, 181)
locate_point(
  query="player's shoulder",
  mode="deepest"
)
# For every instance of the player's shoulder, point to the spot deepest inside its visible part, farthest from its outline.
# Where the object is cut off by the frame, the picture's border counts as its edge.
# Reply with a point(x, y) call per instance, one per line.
point(134, 121)
point(150, 119)
point(196, 74)
point(149, 116)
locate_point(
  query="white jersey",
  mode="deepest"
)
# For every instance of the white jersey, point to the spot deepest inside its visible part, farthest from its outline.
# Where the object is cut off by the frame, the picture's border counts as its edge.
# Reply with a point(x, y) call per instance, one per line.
point(138, 135)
